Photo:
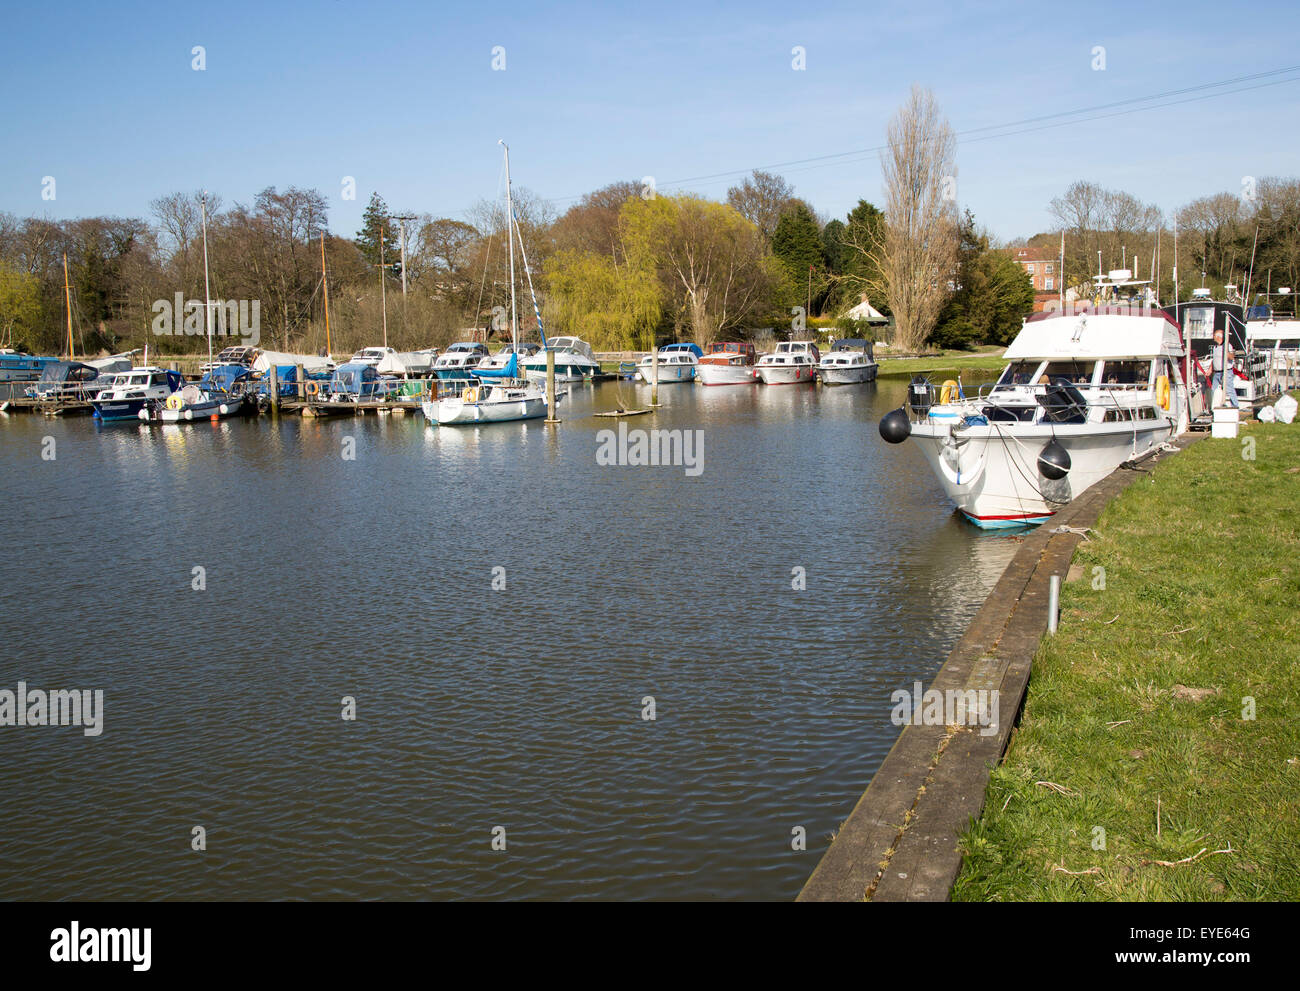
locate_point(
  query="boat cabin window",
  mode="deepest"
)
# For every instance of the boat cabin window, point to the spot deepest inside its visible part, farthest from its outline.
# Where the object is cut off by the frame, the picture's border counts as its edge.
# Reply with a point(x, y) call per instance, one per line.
point(1126, 373)
point(1076, 372)
point(1020, 373)
point(1200, 322)
point(138, 380)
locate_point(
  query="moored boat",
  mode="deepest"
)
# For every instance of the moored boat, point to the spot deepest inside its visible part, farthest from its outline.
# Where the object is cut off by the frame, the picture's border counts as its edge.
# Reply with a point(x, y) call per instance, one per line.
point(459, 360)
point(574, 361)
point(673, 363)
point(728, 363)
point(129, 392)
point(1081, 394)
point(792, 363)
point(850, 362)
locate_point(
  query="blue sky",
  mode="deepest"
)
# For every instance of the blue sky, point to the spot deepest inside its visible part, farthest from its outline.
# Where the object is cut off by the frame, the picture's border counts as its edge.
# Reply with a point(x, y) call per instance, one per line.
point(402, 97)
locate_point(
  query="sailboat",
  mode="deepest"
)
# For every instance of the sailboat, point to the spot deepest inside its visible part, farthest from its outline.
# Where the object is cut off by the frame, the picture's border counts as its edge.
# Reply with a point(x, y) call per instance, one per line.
point(224, 388)
point(497, 395)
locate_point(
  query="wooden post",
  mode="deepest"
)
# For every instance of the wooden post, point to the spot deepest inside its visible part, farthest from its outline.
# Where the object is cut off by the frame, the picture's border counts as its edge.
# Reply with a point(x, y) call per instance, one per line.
point(550, 387)
point(275, 388)
point(300, 387)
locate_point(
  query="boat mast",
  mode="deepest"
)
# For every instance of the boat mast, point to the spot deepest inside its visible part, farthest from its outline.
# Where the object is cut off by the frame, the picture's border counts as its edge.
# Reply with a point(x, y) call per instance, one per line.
point(510, 235)
point(325, 281)
point(383, 290)
point(67, 298)
point(207, 292)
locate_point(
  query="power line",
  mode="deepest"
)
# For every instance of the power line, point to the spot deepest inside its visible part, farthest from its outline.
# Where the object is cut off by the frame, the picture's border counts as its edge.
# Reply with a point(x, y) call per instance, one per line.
point(1062, 119)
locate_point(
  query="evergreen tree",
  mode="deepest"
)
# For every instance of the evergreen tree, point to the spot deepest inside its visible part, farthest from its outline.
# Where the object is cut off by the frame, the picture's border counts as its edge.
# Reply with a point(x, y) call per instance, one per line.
point(993, 294)
point(377, 222)
point(797, 243)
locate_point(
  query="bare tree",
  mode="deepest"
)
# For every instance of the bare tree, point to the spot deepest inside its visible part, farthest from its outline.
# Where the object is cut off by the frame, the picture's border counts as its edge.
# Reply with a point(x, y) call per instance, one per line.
point(760, 200)
point(915, 253)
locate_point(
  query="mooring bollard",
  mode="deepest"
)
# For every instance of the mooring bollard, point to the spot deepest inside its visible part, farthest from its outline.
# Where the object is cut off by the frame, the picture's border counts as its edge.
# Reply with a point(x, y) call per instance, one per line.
point(1053, 603)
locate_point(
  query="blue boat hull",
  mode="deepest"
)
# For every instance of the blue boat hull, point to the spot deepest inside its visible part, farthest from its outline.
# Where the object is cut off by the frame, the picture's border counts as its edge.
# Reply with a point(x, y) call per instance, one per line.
point(125, 409)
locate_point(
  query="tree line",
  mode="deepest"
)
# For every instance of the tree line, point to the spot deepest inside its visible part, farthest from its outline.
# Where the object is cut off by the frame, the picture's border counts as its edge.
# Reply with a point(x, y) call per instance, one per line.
point(626, 266)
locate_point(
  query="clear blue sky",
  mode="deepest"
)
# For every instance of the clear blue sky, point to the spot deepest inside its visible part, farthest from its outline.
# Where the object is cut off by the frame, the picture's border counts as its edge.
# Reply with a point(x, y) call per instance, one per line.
point(402, 96)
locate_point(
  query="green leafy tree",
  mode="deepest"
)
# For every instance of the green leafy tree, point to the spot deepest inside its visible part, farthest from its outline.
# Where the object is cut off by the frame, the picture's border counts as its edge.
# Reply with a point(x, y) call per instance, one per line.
point(20, 306)
point(615, 307)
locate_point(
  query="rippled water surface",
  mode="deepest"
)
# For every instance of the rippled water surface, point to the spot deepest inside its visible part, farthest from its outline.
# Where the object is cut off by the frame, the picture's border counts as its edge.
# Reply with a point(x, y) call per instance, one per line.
point(520, 708)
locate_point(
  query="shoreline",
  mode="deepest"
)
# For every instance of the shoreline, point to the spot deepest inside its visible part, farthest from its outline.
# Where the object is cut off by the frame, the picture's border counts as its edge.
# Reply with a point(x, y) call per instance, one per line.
point(901, 840)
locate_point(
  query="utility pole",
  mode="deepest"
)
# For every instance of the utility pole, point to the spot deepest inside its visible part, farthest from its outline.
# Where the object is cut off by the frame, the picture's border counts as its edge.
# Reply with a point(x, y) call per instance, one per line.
point(402, 233)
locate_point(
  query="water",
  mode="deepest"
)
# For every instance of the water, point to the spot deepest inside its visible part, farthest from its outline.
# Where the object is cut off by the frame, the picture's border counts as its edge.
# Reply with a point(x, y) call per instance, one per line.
point(519, 708)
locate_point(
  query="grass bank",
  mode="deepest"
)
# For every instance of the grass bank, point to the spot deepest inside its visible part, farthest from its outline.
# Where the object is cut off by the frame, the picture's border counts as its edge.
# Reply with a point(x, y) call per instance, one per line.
point(1162, 722)
point(974, 368)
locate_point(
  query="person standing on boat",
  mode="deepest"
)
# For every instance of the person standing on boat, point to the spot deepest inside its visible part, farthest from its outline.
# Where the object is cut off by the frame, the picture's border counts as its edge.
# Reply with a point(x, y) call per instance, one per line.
point(1221, 364)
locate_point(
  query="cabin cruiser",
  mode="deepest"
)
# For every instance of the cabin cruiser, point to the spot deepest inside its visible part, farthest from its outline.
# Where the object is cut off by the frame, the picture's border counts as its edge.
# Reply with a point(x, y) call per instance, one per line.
point(727, 363)
point(130, 391)
point(236, 354)
point(1082, 393)
point(499, 365)
point(792, 362)
point(18, 367)
point(459, 360)
point(848, 363)
point(574, 361)
point(1199, 318)
point(673, 363)
point(401, 364)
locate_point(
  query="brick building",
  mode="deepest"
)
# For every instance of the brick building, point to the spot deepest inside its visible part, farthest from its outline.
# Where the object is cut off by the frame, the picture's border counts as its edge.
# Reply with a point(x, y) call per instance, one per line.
point(1043, 272)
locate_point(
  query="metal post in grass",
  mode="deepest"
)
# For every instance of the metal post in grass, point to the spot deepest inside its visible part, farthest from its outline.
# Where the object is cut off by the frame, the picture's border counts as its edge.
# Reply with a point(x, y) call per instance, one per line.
point(1053, 603)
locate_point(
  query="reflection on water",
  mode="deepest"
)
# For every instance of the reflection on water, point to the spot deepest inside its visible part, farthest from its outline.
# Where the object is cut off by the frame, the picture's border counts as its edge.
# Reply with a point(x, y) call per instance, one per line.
point(476, 708)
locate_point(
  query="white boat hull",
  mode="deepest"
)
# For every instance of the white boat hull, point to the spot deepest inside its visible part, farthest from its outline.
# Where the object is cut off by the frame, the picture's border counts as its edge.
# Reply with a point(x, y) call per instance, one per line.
point(455, 411)
point(848, 375)
point(991, 471)
point(726, 374)
point(785, 374)
point(668, 374)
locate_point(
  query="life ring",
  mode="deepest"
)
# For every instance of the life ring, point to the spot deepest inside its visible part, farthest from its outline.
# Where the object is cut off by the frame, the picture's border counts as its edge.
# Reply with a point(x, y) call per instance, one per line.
point(949, 393)
point(470, 395)
point(313, 387)
point(1162, 391)
point(174, 401)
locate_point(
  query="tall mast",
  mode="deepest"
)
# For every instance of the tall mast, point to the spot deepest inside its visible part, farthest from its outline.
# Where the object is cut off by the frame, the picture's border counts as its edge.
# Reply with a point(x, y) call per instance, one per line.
point(383, 290)
point(207, 292)
point(67, 298)
point(325, 281)
point(510, 234)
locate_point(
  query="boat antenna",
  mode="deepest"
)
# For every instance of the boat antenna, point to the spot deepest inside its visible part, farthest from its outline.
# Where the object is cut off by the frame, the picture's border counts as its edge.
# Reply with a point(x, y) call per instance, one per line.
point(207, 291)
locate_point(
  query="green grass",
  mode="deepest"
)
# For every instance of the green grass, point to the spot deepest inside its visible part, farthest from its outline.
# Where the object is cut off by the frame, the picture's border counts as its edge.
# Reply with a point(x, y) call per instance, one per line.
point(974, 368)
point(1139, 699)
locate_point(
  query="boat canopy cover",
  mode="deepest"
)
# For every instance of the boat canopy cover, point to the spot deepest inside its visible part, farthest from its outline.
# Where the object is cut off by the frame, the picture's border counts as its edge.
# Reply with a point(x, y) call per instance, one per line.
point(695, 349)
point(853, 344)
point(223, 377)
point(1259, 313)
point(63, 371)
